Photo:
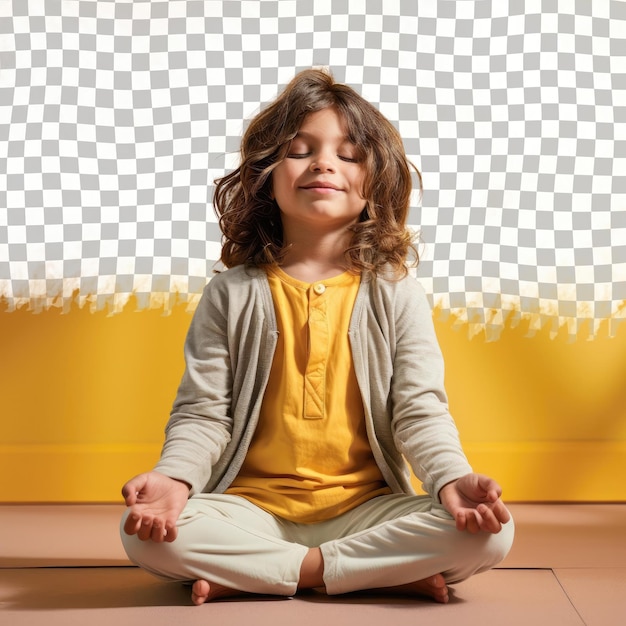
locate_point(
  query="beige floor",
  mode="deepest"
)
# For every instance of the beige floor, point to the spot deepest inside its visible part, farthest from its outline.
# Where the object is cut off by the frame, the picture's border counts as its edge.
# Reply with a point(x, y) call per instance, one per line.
point(63, 565)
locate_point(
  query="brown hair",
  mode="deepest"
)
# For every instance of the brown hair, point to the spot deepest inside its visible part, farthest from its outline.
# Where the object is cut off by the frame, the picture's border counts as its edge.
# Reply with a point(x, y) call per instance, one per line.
point(250, 218)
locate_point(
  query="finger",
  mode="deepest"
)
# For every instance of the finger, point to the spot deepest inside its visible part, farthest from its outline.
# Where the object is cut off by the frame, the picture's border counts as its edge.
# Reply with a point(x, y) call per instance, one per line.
point(488, 522)
point(131, 489)
point(132, 524)
point(158, 532)
point(494, 495)
point(489, 487)
point(145, 529)
point(129, 494)
point(171, 531)
point(501, 512)
point(498, 514)
point(474, 521)
point(461, 521)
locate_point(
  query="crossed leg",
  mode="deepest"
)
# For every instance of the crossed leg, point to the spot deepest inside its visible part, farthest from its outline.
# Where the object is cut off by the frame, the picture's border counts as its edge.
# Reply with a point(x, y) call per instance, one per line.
point(311, 576)
point(227, 546)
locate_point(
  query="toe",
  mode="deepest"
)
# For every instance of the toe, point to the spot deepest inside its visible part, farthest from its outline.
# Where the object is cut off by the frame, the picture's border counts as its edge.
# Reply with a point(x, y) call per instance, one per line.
point(200, 592)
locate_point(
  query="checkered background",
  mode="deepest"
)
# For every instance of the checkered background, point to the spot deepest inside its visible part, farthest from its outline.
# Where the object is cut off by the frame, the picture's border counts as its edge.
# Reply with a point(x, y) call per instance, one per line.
point(116, 117)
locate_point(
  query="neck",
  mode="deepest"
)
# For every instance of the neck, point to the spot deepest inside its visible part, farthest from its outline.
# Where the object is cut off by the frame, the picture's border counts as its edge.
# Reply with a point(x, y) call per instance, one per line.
point(314, 256)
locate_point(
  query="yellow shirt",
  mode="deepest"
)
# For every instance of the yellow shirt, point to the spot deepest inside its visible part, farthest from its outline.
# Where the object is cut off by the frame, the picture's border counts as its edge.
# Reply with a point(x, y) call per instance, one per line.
point(310, 459)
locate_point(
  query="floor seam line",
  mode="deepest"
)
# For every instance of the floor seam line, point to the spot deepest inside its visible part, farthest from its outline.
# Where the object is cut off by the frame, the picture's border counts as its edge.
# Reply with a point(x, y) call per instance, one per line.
point(569, 599)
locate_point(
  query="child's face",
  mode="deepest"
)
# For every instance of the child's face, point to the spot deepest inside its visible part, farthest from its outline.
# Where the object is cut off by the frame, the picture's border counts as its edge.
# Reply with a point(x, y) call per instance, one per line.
point(320, 182)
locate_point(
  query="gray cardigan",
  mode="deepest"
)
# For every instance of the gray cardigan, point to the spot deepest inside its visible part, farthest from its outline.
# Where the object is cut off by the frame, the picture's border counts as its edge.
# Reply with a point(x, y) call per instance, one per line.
point(229, 351)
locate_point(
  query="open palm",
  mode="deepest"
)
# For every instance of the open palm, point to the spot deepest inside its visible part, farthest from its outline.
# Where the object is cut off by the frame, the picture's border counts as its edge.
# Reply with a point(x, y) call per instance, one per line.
point(155, 502)
point(474, 502)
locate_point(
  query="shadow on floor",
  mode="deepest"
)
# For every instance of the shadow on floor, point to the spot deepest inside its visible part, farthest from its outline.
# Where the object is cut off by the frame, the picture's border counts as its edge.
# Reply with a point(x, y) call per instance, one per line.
point(77, 588)
point(39, 589)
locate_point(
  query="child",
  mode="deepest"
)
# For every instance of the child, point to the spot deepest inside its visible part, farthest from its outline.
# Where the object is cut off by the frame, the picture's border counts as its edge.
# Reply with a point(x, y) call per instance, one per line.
point(312, 373)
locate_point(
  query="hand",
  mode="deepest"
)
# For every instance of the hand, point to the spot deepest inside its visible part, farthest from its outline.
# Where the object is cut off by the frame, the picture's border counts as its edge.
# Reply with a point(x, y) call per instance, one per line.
point(155, 502)
point(474, 502)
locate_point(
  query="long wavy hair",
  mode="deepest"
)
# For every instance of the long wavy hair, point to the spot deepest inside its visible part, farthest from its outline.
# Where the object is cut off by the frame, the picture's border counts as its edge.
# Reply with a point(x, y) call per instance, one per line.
point(249, 216)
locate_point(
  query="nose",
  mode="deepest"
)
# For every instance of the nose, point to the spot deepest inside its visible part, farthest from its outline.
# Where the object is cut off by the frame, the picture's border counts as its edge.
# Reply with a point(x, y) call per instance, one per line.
point(323, 163)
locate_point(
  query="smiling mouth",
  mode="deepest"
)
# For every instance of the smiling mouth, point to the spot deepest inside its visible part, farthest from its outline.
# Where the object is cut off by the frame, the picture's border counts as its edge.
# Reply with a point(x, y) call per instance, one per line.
point(321, 187)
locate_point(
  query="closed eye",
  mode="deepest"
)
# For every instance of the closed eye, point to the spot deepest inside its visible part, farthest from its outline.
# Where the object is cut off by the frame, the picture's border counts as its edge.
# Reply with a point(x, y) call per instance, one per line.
point(304, 155)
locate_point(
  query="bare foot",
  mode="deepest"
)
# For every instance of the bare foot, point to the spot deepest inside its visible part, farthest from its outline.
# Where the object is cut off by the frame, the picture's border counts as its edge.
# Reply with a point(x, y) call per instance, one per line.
point(202, 591)
point(433, 587)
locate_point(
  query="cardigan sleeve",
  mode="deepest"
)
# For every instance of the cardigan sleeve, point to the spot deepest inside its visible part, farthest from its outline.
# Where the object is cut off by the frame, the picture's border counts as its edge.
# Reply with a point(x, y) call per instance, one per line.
point(200, 424)
point(424, 430)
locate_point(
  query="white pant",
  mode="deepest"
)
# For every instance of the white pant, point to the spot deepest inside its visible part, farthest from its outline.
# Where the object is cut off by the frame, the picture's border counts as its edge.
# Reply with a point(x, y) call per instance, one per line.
point(390, 540)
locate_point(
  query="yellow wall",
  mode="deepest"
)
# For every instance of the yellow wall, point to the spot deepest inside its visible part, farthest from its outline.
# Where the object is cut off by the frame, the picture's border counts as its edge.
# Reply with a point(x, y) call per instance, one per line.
point(546, 417)
point(85, 397)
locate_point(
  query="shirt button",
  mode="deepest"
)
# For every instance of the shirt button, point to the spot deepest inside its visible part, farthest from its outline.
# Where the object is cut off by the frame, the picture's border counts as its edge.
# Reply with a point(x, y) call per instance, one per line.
point(319, 289)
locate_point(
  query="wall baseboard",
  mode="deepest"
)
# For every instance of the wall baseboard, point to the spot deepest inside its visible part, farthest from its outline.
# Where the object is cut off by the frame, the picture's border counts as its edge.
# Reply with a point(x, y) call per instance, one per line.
point(547, 471)
point(554, 470)
point(73, 473)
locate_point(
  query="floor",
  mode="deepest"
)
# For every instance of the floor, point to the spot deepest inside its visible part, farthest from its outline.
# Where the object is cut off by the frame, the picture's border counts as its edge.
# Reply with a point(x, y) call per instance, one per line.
point(63, 565)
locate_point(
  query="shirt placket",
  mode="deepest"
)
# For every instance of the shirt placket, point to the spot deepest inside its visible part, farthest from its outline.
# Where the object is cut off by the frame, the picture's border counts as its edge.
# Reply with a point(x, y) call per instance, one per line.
point(318, 340)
